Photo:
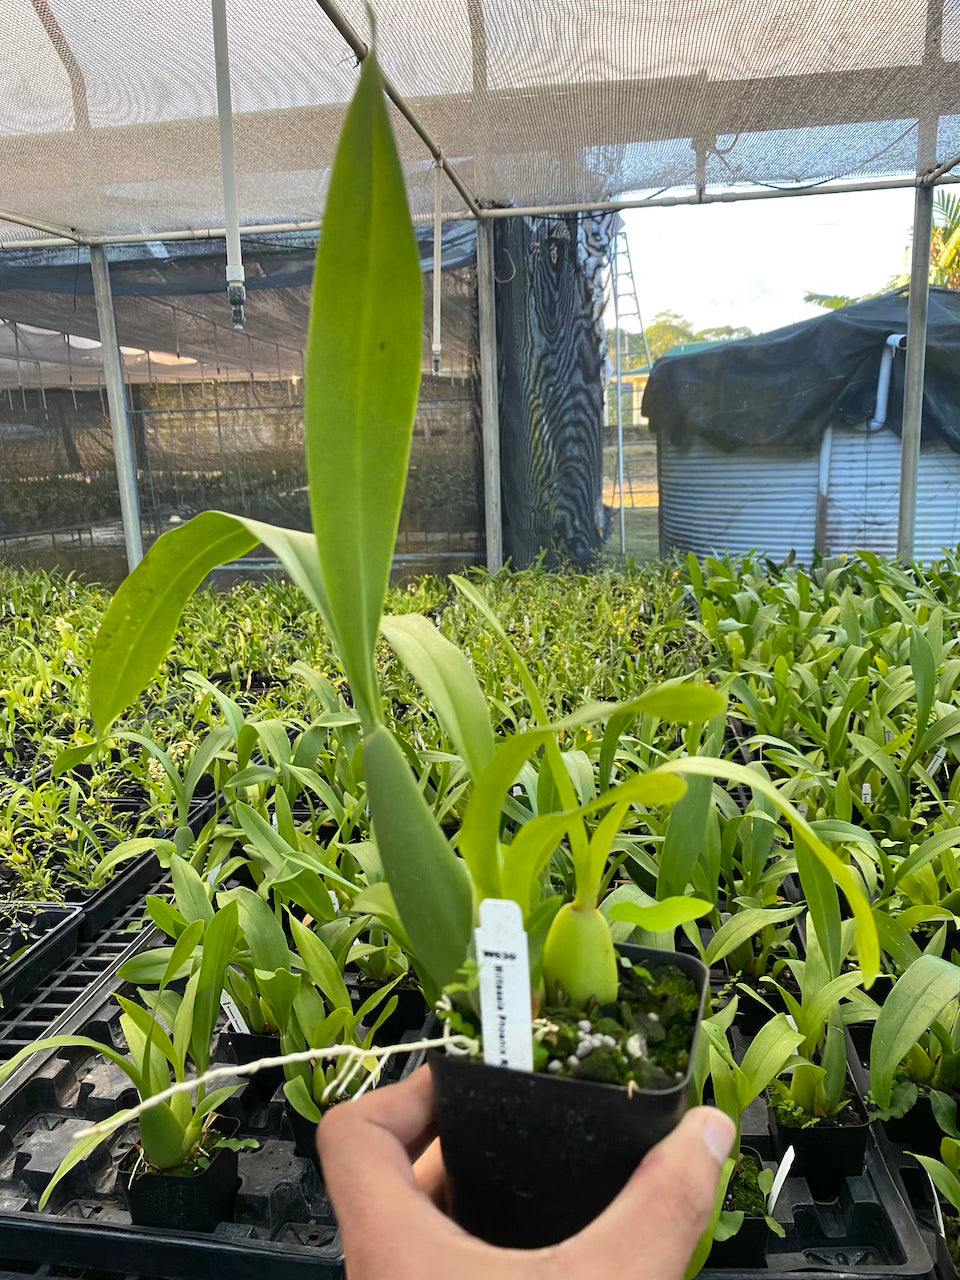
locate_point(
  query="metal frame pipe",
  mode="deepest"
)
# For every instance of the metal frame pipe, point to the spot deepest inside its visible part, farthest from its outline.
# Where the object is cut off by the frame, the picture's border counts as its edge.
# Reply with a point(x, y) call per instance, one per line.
point(117, 402)
point(58, 237)
point(489, 396)
point(236, 293)
point(916, 359)
point(361, 49)
point(616, 325)
point(437, 281)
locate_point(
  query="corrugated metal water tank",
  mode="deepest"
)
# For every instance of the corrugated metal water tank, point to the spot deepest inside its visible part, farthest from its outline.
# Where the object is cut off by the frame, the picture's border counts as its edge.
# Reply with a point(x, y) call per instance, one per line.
point(765, 499)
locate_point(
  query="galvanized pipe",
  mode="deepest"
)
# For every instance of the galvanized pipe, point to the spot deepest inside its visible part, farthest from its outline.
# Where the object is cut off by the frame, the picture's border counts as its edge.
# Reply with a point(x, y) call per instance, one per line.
point(117, 401)
point(437, 266)
point(916, 360)
point(361, 49)
point(489, 396)
point(236, 294)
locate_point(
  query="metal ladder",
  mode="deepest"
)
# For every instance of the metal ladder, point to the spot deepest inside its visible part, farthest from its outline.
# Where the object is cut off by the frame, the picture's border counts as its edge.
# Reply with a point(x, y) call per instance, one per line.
point(626, 306)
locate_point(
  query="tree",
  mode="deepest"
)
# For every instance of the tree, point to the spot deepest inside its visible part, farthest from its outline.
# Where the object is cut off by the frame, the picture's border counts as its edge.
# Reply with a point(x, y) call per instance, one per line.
point(944, 257)
point(667, 329)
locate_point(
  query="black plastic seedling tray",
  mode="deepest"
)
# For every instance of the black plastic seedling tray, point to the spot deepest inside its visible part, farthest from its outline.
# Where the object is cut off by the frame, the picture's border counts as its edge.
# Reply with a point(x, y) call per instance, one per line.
point(34, 940)
point(130, 884)
point(870, 1229)
point(282, 1226)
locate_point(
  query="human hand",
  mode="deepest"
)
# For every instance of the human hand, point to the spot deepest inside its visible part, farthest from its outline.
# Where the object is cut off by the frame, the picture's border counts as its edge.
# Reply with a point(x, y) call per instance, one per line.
point(393, 1226)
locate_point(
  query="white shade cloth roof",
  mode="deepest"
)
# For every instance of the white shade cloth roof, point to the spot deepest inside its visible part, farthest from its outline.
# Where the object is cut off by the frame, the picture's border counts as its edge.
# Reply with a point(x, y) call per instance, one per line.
point(108, 113)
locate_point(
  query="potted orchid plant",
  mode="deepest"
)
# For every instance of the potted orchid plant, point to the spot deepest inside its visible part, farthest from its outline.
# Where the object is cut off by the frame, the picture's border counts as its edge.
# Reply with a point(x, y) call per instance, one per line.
point(594, 1011)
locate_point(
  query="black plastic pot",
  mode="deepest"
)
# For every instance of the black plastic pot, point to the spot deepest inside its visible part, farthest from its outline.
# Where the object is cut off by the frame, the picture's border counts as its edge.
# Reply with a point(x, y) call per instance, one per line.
point(304, 1134)
point(825, 1154)
point(242, 1047)
point(918, 1130)
point(409, 1015)
point(194, 1203)
point(532, 1158)
point(747, 1250)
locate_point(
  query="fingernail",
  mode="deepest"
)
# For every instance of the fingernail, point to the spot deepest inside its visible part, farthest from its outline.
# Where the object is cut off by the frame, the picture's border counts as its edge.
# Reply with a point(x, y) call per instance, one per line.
point(718, 1133)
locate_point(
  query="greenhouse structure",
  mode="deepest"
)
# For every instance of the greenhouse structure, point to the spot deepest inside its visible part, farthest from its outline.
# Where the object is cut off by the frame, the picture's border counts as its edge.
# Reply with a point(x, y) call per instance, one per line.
point(378, 847)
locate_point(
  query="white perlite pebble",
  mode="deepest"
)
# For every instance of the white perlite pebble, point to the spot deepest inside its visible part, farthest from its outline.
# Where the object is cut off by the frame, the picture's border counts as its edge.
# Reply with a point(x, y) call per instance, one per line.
point(554, 1065)
point(584, 1049)
point(635, 1047)
point(584, 1026)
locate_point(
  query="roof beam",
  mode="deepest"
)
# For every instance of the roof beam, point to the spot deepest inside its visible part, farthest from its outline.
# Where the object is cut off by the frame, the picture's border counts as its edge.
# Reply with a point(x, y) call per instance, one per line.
point(361, 49)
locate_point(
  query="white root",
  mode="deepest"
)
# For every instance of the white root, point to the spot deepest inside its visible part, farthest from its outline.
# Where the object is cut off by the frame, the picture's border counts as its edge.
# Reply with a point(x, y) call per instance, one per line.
point(356, 1059)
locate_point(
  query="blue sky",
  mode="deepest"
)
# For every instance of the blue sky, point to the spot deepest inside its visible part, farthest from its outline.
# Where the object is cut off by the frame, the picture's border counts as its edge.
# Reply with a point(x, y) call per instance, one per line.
point(750, 263)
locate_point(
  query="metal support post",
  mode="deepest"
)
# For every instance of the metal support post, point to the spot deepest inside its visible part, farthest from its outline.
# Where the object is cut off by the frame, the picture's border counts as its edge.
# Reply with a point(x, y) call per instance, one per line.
point(117, 401)
point(236, 292)
point(616, 325)
point(916, 359)
point(437, 265)
point(489, 396)
point(928, 128)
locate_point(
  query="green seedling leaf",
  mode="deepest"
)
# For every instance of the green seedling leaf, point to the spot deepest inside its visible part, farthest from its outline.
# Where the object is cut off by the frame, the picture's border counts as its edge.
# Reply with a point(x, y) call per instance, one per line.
point(78, 1153)
point(163, 1137)
point(190, 892)
point(448, 680)
point(916, 1000)
point(743, 925)
point(140, 623)
point(128, 849)
point(430, 884)
point(219, 940)
point(946, 1182)
point(362, 379)
point(867, 944)
point(298, 1095)
point(662, 916)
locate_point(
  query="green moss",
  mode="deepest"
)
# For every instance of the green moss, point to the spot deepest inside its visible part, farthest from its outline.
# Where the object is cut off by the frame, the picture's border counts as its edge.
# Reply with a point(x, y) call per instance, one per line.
point(650, 1025)
point(743, 1189)
point(951, 1227)
point(793, 1116)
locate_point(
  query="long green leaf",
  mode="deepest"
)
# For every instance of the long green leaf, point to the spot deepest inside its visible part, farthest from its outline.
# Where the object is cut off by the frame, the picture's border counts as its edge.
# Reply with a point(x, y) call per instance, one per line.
point(320, 965)
point(143, 614)
point(429, 883)
point(448, 680)
point(917, 998)
point(660, 916)
point(77, 1153)
point(743, 925)
point(219, 940)
point(262, 930)
point(867, 944)
point(363, 378)
point(944, 1180)
point(766, 1056)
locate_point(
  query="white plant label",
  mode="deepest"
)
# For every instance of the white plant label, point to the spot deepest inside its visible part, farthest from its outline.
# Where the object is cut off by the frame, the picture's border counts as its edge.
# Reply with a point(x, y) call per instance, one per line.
point(866, 793)
point(504, 985)
point(938, 760)
point(786, 1164)
point(235, 1019)
point(803, 809)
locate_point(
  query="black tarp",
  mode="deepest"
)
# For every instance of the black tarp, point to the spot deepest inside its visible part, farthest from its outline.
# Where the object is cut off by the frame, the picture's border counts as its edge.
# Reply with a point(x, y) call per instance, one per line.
point(787, 386)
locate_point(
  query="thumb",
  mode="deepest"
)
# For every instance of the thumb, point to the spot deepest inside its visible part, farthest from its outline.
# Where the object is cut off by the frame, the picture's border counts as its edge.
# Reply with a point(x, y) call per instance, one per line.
point(652, 1228)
